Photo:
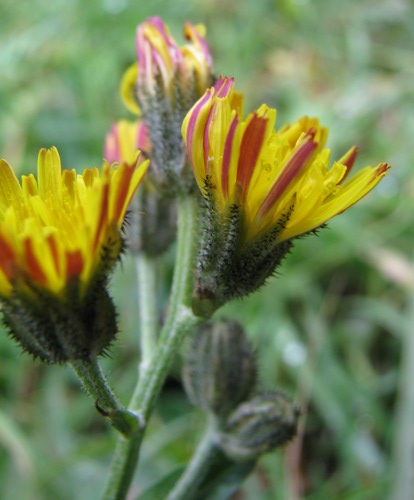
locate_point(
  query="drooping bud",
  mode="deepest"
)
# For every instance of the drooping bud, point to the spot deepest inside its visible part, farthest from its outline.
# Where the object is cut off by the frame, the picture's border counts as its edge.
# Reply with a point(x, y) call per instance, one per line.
point(258, 426)
point(220, 368)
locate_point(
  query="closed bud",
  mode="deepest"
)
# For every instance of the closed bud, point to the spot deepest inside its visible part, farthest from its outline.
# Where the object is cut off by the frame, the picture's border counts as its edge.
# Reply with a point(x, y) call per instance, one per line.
point(161, 87)
point(220, 368)
point(152, 219)
point(258, 426)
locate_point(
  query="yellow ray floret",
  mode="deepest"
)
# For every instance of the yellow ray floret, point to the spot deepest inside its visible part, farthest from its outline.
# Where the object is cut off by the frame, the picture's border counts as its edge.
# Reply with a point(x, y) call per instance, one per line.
point(279, 179)
point(62, 225)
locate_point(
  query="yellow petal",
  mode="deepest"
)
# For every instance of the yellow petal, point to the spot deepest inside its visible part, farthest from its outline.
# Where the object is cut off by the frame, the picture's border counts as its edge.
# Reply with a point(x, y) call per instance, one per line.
point(10, 190)
point(128, 89)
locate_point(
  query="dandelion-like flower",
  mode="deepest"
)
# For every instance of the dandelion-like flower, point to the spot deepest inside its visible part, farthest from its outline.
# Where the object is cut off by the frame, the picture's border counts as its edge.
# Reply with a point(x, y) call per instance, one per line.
point(60, 237)
point(262, 188)
point(161, 86)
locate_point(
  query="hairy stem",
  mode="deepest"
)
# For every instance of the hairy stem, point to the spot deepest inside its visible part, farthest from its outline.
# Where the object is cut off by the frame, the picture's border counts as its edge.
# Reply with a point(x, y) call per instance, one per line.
point(96, 386)
point(180, 321)
point(198, 466)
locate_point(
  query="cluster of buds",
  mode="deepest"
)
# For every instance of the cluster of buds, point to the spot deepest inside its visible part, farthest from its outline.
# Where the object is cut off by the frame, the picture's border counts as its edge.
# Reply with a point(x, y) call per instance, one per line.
point(161, 86)
point(60, 237)
point(262, 188)
point(219, 375)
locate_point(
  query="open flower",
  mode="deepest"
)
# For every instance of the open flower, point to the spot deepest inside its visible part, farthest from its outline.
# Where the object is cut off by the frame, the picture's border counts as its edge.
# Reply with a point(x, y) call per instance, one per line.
point(60, 237)
point(161, 87)
point(262, 187)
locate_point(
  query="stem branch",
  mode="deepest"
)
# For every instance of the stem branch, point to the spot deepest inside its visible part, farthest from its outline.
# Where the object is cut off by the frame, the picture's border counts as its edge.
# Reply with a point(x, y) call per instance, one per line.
point(96, 386)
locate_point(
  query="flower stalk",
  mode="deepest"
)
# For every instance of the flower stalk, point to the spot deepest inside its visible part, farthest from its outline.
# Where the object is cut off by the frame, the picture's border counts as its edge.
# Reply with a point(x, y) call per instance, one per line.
point(198, 467)
point(180, 321)
point(96, 386)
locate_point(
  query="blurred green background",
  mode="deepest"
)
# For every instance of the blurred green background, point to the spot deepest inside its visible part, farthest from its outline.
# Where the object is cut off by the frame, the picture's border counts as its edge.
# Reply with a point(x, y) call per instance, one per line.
point(333, 329)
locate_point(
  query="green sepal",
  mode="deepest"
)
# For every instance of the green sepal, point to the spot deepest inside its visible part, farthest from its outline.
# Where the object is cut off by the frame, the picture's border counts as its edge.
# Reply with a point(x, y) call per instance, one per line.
point(60, 328)
point(228, 267)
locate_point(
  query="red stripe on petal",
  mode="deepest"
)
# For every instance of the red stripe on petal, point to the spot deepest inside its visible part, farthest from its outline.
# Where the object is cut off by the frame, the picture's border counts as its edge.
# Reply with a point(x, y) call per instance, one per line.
point(223, 86)
point(51, 241)
point(7, 258)
point(122, 192)
point(348, 160)
point(250, 148)
point(227, 156)
point(193, 120)
point(225, 90)
point(74, 263)
point(381, 169)
point(33, 266)
point(292, 169)
point(159, 25)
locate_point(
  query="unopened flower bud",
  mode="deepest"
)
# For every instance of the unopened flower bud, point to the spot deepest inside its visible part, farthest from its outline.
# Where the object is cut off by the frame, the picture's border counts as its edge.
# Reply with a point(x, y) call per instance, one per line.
point(220, 368)
point(161, 87)
point(257, 426)
point(152, 219)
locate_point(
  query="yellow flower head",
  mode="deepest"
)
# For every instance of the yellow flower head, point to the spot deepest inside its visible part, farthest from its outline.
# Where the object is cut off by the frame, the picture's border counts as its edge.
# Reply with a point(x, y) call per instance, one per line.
point(161, 59)
point(262, 188)
point(64, 226)
point(280, 179)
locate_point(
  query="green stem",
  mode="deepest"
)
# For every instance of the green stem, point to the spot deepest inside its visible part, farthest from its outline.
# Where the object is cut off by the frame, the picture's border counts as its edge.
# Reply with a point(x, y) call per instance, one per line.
point(147, 305)
point(180, 321)
point(198, 466)
point(96, 386)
